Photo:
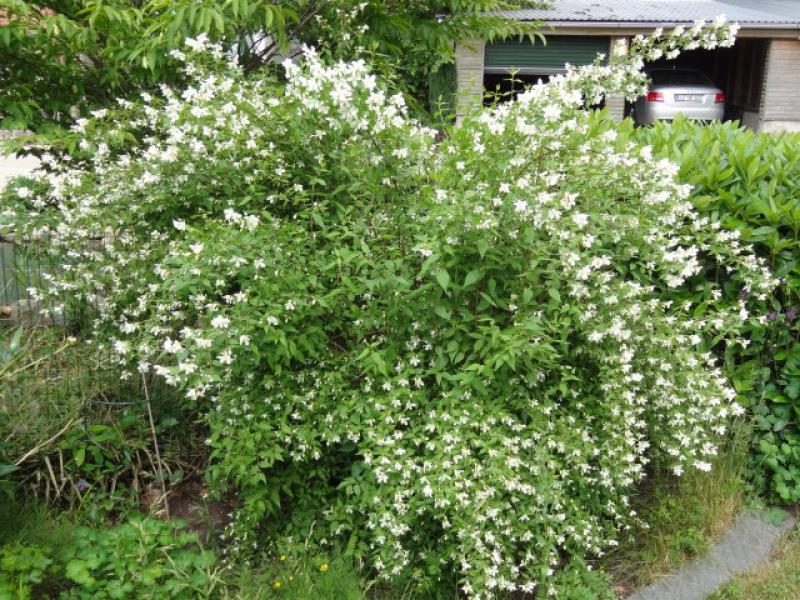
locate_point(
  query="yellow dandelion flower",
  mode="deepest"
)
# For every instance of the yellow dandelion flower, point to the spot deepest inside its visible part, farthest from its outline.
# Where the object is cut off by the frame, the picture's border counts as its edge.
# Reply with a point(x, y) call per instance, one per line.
point(277, 585)
point(323, 568)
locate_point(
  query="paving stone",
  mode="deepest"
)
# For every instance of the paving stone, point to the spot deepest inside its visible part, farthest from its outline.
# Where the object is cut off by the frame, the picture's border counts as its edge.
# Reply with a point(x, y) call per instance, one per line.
point(745, 545)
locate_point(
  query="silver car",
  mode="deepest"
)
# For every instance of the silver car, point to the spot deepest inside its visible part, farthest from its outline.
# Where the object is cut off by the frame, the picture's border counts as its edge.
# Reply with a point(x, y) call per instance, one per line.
point(681, 91)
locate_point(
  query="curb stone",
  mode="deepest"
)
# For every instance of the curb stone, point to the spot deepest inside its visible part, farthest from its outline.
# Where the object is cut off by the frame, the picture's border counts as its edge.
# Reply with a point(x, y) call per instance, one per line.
point(746, 544)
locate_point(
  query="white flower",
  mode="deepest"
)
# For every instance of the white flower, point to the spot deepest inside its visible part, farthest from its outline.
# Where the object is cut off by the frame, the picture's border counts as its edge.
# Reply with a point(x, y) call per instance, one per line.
point(187, 367)
point(220, 322)
point(199, 43)
point(226, 358)
point(172, 346)
point(552, 112)
point(24, 192)
point(179, 224)
point(580, 219)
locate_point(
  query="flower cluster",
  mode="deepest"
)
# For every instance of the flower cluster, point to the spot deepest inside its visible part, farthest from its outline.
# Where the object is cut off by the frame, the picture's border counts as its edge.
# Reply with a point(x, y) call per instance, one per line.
point(459, 357)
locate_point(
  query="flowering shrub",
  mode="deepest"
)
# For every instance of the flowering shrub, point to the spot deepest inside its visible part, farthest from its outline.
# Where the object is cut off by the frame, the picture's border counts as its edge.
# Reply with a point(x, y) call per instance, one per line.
point(752, 182)
point(457, 359)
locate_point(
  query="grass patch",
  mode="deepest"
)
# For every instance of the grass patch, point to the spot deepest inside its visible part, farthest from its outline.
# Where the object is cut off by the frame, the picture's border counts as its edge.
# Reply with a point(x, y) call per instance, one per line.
point(685, 516)
point(34, 524)
point(45, 379)
point(778, 579)
point(298, 578)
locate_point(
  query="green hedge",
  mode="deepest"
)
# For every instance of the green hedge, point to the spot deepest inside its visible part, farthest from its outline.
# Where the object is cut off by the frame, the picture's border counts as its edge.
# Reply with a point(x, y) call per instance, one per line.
point(751, 183)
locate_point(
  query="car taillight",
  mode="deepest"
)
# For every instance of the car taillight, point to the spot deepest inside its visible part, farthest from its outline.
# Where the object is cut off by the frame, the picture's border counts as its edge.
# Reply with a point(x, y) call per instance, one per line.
point(719, 98)
point(655, 97)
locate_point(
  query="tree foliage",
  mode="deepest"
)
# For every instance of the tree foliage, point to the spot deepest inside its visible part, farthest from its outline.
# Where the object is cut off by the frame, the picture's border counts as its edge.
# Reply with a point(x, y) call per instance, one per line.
point(63, 58)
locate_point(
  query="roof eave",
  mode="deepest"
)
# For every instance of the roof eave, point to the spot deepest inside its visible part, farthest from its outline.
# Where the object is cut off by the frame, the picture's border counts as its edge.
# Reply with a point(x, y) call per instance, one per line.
point(783, 30)
point(664, 24)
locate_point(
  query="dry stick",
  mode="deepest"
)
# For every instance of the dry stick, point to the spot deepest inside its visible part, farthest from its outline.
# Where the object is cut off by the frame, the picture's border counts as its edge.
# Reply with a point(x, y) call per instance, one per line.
point(155, 446)
point(37, 361)
point(33, 451)
point(53, 476)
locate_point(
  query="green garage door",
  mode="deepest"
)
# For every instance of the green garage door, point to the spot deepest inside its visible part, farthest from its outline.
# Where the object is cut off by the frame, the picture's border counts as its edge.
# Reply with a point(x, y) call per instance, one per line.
point(542, 59)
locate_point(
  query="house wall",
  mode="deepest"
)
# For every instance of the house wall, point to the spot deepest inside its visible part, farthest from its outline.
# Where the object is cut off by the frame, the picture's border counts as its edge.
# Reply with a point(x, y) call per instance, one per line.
point(780, 109)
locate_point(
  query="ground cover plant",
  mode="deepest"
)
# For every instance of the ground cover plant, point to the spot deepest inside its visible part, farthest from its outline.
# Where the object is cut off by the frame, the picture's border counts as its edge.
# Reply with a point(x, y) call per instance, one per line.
point(47, 555)
point(455, 360)
point(751, 183)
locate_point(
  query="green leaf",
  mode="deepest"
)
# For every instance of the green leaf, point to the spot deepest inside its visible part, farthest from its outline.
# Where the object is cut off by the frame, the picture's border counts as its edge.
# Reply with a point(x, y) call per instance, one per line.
point(443, 278)
point(442, 312)
point(472, 277)
point(80, 455)
point(776, 516)
point(6, 469)
point(78, 571)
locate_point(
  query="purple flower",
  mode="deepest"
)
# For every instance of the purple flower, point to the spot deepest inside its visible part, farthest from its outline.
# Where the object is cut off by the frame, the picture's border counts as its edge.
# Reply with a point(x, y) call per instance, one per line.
point(772, 315)
point(791, 314)
point(82, 485)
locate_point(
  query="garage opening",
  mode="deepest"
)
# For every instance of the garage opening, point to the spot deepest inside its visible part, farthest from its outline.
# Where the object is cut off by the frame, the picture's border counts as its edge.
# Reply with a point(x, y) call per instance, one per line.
point(510, 66)
point(737, 71)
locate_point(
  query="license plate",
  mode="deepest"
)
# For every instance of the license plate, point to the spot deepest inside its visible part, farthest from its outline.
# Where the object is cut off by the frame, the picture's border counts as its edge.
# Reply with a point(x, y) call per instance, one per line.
point(689, 97)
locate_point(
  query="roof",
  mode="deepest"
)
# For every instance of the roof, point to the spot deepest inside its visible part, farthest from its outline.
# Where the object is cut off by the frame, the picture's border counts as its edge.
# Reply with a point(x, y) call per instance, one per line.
point(754, 13)
point(789, 8)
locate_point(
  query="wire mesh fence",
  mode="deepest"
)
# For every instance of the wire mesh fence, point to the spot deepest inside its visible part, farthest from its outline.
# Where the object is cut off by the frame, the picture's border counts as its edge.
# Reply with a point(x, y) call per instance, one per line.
point(31, 264)
point(63, 396)
point(24, 266)
point(59, 365)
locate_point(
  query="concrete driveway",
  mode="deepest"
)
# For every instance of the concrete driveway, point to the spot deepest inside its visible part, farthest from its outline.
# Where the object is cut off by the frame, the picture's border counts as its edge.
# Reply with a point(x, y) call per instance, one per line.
point(13, 167)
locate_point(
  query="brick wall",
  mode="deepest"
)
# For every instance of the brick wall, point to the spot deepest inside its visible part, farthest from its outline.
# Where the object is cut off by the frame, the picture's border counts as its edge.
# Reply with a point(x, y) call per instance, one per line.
point(469, 75)
point(615, 103)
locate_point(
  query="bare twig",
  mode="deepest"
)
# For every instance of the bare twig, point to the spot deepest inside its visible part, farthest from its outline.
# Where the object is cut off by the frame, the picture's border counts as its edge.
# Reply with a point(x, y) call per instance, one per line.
point(53, 477)
point(38, 447)
point(155, 446)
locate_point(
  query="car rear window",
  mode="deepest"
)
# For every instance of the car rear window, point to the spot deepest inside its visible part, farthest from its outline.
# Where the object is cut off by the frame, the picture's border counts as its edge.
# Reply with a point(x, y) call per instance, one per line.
point(678, 77)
